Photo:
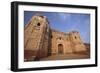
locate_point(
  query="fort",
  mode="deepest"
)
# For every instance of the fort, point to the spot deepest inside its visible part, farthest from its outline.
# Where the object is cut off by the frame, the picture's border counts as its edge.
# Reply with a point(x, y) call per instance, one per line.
point(41, 41)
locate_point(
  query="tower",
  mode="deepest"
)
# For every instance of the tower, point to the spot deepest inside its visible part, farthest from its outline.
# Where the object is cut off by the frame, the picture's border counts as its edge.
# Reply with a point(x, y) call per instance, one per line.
point(36, 38)
point(77, 43)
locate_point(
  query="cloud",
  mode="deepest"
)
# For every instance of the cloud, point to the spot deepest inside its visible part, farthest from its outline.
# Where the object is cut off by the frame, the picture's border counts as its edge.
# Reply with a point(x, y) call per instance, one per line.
point(64, 16)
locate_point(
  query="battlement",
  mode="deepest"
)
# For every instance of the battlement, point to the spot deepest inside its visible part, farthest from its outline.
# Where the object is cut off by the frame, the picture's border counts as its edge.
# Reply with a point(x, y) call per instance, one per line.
point(39, 40)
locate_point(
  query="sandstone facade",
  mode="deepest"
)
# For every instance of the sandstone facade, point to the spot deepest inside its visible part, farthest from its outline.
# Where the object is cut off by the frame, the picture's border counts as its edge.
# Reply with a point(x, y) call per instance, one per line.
point(44, 41)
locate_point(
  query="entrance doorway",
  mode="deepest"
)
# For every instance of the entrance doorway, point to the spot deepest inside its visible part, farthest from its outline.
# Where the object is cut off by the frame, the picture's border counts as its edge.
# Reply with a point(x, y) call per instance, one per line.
point(60, 49)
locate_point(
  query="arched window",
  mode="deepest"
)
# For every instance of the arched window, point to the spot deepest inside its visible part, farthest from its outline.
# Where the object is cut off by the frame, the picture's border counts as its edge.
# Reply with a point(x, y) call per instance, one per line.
point(75, 37)
point(38, 24)
point(51, 36)
point(59, 38)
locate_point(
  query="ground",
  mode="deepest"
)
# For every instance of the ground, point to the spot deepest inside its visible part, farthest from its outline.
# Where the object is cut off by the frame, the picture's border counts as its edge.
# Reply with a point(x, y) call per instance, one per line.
point(66, 57)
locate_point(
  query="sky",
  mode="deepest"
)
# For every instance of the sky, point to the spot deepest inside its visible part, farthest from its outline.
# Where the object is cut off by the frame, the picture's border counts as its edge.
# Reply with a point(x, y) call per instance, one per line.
point(65, 22)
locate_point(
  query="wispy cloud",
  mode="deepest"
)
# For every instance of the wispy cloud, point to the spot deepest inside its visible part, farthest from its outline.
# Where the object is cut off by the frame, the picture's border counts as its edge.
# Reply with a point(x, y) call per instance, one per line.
point(66, 22)
point(64, 16)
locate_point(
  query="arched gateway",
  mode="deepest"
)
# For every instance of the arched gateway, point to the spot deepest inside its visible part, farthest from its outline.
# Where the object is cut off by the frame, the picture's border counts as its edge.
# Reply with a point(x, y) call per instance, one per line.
point(60, 49)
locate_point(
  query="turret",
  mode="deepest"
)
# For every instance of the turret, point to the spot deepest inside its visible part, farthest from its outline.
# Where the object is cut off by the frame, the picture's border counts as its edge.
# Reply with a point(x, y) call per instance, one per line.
point(36, 37)
point(77, 43)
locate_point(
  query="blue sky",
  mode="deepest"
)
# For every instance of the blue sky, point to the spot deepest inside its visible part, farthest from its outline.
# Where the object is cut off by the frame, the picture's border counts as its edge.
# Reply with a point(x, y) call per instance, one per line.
point(65, 22)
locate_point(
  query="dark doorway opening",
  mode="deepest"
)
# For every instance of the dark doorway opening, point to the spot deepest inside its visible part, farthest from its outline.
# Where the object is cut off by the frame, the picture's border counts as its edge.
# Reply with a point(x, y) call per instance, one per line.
point(60, 49)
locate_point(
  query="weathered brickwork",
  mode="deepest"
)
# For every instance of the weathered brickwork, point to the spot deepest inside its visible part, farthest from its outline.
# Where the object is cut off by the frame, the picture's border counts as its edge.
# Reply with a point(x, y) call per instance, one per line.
point(44, 41)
